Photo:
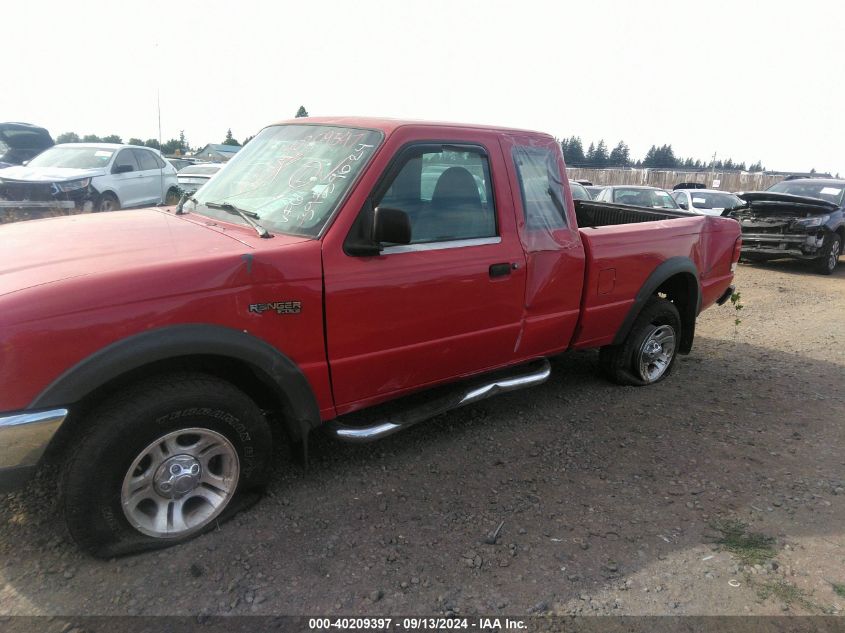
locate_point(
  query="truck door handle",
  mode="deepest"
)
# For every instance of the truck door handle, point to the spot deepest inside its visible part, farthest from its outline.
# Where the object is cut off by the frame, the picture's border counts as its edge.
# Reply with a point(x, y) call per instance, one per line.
point(500, 270)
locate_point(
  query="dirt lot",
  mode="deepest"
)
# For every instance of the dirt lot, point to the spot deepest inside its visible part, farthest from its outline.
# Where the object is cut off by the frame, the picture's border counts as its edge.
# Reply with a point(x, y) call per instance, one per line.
point(721, 490)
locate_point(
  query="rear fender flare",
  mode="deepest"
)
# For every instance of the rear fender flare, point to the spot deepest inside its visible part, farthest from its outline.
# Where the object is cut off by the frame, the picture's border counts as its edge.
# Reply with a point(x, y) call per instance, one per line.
point(665, 271)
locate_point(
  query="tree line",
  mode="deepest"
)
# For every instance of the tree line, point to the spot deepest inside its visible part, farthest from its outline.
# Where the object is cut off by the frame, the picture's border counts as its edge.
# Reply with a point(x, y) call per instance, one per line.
point(167, 148)
point(661, 157)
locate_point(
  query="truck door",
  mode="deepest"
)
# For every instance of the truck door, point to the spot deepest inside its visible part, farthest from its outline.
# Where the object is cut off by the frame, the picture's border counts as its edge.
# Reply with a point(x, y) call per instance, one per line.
point(446, 305)
point(551, 241)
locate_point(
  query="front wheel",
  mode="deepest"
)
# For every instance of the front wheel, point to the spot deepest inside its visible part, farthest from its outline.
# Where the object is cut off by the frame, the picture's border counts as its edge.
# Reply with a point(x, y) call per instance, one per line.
point(172, 196)
point(827, 263)
point(108, 202)
point(162, 463)
point(649, 351)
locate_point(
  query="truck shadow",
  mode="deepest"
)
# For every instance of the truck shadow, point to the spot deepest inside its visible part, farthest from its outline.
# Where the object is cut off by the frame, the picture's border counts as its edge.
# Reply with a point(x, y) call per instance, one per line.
point(797, 267)
point(591, 483)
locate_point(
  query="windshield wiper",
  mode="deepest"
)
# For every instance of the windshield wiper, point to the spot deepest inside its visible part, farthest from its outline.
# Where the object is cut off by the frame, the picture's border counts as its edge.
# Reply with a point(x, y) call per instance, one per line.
point(246, 215)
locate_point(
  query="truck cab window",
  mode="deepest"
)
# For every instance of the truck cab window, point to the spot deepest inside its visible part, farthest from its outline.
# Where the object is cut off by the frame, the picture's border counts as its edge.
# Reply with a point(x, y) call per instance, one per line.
point(540, 187)
point(447, 195)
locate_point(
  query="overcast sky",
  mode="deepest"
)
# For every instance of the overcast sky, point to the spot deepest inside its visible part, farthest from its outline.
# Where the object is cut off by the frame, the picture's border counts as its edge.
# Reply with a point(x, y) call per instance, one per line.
point(748, 80)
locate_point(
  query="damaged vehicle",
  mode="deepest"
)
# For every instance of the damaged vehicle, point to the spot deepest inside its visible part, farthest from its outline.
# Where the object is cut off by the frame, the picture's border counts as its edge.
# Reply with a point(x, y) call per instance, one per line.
point(91, 177)
point(20, 142)
point(801, 218)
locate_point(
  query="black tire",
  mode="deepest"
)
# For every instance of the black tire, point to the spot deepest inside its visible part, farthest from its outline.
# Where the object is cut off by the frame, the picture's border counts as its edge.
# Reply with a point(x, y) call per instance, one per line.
point(121, 429)
point(172, 196)
point(621, 363)
point(827, 263)
point(108, 202)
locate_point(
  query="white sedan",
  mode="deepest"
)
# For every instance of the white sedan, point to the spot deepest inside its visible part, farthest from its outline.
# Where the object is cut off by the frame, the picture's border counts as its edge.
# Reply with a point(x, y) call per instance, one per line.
point(706, 201)
point(92, 176)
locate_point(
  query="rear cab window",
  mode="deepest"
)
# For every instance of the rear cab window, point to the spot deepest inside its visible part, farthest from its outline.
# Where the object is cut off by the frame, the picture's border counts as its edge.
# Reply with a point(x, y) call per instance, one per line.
point(540, 187)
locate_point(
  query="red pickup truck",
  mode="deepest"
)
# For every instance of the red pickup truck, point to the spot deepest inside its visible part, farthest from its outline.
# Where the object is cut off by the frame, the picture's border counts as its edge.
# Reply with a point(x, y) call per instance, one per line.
point(357, 274)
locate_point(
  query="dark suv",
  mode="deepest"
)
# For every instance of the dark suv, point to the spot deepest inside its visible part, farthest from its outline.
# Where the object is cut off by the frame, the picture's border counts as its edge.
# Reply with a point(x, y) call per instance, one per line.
point(20, 142)
point(801, 218)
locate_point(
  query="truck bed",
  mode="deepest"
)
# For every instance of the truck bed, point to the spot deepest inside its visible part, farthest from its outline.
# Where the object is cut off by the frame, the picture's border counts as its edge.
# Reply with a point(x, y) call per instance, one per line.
point(624, 245)
point(592, 214)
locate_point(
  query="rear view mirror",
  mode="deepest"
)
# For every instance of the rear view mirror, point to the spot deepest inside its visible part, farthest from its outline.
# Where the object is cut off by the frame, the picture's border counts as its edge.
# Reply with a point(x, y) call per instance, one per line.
point(122, 169)
point(391, 226)
point(683, 204)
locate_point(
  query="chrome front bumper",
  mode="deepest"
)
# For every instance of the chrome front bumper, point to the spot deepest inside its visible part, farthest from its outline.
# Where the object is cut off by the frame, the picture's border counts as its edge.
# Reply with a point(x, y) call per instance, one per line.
point(24, 437)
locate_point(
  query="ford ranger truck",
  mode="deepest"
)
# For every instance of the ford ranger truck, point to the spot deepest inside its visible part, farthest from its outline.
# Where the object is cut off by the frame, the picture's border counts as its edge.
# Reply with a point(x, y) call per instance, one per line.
point(361, 275)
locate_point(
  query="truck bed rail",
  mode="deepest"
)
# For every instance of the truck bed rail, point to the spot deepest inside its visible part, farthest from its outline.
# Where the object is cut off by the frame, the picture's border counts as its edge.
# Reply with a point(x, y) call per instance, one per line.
point(591, 214)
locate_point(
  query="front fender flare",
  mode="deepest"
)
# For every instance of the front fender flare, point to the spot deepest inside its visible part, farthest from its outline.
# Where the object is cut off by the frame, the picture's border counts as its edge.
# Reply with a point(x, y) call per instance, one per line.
point(176, 341)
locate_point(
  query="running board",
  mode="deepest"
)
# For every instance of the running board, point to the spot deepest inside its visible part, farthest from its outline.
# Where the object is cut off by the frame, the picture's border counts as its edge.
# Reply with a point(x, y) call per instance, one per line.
point(393, 417)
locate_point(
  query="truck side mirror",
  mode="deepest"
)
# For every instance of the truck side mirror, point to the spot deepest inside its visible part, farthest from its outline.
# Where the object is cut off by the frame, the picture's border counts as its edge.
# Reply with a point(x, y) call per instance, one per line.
point(683, 204)
point(391, 226)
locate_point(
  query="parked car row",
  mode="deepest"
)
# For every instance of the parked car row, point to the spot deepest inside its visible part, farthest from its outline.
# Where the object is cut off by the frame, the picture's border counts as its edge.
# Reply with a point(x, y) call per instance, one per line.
point(90, 176)
point(802, 218)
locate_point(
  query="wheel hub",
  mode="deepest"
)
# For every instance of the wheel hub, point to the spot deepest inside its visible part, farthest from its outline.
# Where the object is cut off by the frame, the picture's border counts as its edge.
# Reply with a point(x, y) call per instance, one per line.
point(177, 476)
point(652, 349)
point(656, 353)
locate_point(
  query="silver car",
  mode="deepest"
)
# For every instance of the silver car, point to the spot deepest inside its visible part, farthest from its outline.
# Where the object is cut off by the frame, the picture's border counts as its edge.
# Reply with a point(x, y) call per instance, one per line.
point(193, 177)
point(706, 201)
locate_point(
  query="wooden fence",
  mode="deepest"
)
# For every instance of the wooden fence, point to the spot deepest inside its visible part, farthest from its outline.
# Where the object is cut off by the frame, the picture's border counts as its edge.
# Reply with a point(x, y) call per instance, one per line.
point(666, 179)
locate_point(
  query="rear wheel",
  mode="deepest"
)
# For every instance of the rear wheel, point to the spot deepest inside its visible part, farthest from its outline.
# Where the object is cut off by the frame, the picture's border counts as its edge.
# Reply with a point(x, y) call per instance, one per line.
point(162, 463)
point(108, 202)
point(649, 351)
point(827, 263)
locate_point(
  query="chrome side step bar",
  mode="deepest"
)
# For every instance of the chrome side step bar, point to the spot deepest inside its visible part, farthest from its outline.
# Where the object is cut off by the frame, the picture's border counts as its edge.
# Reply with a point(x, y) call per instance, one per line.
point(393, 417)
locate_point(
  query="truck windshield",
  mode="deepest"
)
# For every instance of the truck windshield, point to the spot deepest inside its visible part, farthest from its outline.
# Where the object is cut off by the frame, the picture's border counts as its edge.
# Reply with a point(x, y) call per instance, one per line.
point(292, 177)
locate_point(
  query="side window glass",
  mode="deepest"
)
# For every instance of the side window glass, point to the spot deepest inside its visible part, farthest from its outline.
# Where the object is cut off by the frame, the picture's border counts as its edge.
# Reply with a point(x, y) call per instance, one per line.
point(540, 186)
point(126, 157)
point(146, 160)
point(448, 195)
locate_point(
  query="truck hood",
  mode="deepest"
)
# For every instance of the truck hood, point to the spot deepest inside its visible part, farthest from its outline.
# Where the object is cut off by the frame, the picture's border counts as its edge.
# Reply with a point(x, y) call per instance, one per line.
point(771, 203)
point(47, 174)
point(39, 252)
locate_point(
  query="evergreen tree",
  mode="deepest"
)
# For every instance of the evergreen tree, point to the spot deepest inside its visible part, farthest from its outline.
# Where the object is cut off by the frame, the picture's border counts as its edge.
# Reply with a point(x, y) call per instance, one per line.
point(135, 141)
point(68, 137)
point(621, 155)
point(590, 155)
point(230, 140)
point(600, 155)
point(112, 138)
point(91, 138)
point(151, 142)
point(573, 151)
point(171, 146)
point(302, 112)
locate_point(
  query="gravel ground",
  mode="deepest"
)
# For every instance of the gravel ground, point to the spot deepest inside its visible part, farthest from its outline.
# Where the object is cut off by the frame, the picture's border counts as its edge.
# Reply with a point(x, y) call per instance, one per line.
point(612, 500)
